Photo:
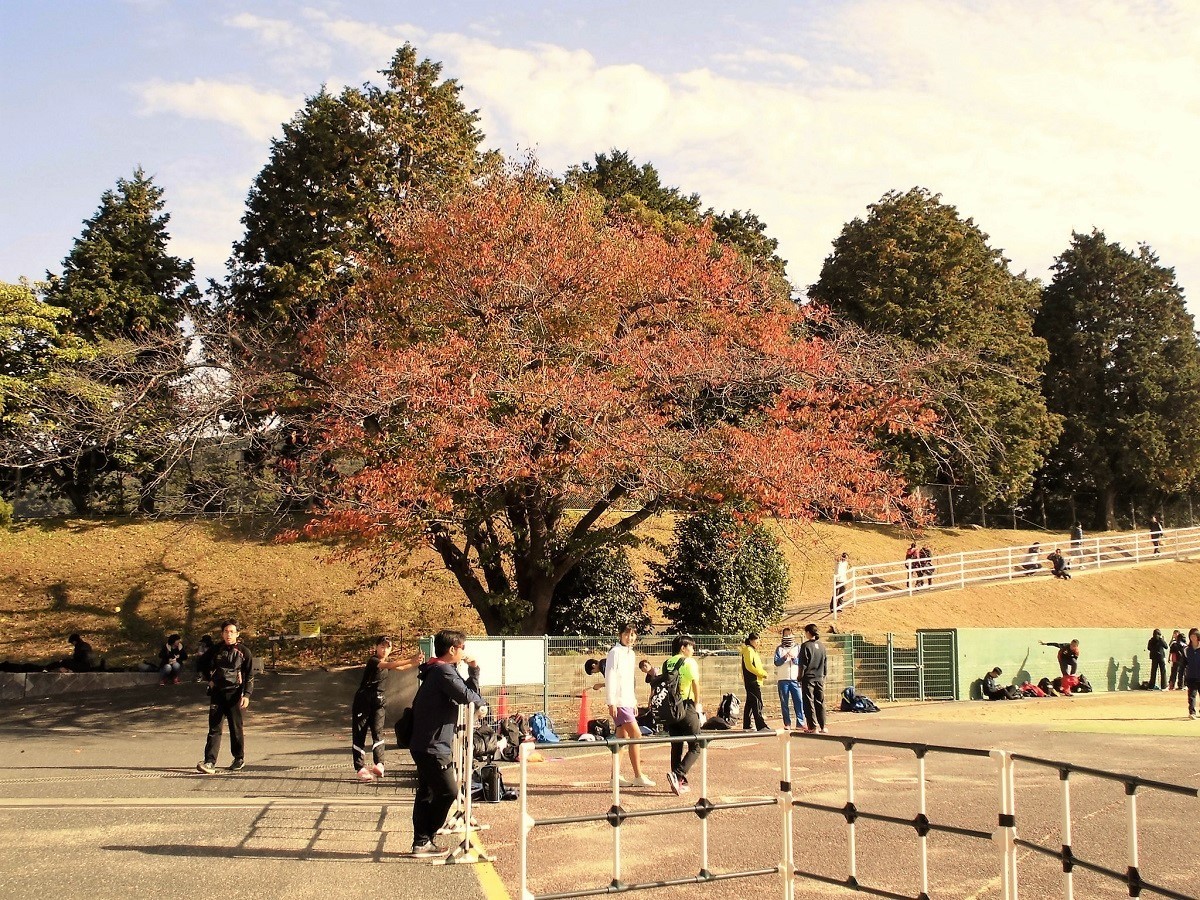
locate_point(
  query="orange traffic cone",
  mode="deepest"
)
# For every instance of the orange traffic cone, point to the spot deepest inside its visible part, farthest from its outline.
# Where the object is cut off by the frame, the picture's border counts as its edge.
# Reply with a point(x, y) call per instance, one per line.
point(583, 713)
point(502, 705)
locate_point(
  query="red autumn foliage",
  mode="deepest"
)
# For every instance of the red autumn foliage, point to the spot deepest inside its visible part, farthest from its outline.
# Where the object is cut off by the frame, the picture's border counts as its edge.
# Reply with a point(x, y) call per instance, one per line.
point(522, 380)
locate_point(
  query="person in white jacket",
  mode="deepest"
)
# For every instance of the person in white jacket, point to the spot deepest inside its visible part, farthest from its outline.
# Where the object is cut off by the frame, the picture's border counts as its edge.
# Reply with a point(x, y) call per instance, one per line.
point(787, 676)
point(620, 671)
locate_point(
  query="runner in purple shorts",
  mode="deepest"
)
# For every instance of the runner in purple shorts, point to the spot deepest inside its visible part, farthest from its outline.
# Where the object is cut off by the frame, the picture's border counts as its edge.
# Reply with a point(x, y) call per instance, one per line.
point(621, 696)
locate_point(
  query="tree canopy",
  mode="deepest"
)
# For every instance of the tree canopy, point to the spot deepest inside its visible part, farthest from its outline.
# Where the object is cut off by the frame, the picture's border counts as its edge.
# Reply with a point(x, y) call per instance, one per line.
point(519, 380)
point(637, 192)
point(119, 281)
point(914, 269)
point(1124, 373)
point(339, 164)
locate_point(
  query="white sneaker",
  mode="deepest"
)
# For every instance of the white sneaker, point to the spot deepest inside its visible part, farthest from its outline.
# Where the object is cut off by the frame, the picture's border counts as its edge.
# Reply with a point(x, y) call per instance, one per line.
point(1192, 715)
point(377, 770)
point(365, 774)
point(643, 781)
point(626, 782)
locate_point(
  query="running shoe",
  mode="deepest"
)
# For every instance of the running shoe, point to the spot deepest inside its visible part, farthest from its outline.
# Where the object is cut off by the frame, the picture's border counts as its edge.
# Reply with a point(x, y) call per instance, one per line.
point(626, 782)
point(365, 774)
point(643, 781)
point(377, 770)
point(427, 849)
point(673, 783)
point(237, 765)
point(206, 768)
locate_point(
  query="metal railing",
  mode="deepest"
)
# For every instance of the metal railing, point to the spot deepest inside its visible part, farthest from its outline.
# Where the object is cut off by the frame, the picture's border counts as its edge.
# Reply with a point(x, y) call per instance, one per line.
point(616, 815)
point(953, 571)
point(1003, 836)
point(1132, 783)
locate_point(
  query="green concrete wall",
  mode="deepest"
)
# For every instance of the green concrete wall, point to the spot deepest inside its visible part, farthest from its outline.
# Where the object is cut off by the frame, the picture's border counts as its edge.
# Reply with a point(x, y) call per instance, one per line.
point(1113, 659)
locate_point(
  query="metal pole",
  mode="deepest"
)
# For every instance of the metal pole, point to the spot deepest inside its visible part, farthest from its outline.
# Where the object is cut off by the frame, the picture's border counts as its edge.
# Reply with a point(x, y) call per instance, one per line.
point(787, 865)
point(923, 842)
point(1010, 839)
point(1131, 805)
point(850, 799)
point(526, 821)
point(616, 791)
point(704, 821)
point(1001, 835)
point(891, 672)
point(1069, 878)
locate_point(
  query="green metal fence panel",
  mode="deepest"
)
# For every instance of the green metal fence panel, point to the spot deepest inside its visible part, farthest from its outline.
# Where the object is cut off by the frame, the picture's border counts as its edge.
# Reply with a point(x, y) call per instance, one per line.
point(937, 656)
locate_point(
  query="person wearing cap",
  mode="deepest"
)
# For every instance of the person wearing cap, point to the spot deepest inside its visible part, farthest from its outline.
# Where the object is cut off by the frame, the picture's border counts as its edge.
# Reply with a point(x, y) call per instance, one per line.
point(367, 711)
point(753, 675)
point(1157, 648)
point(787, 677)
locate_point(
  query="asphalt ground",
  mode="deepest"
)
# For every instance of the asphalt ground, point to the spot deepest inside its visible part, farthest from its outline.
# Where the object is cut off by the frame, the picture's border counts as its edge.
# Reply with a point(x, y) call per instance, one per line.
point(98, 794)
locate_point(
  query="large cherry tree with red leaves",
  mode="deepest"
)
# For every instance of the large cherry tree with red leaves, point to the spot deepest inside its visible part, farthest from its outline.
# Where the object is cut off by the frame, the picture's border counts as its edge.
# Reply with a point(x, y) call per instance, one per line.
point(521, 379)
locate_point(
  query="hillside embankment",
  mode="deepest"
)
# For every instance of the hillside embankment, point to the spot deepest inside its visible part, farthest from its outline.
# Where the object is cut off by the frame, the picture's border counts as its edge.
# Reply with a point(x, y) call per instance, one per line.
point(124, 584)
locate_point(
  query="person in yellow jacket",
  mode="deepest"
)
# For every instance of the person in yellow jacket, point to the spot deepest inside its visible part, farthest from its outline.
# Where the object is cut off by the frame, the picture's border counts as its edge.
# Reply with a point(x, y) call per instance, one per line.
point(753, 674)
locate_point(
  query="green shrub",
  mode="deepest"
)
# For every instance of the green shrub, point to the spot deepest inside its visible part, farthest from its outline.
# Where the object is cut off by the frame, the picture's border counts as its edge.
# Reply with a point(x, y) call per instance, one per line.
point(6, 513)
point(597, 595)
point(722, 575)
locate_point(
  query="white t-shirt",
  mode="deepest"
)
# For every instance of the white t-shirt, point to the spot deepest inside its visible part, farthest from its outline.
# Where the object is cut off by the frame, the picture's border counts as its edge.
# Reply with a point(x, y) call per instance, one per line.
point(619, 677)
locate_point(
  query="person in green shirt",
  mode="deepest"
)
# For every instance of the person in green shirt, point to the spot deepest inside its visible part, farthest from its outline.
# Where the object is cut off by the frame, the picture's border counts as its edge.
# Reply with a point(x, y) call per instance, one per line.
point(683, 649)
point(753, 674)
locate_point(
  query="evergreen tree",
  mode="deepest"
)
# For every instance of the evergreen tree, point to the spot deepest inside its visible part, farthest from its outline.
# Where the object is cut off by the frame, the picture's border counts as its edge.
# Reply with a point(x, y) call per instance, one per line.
point(721, 575)
point(637, 192)
point(914, 270)
point(1124, 373)
point(599, 592)
point(127, 296)
point(341, 163)
point(119, 281)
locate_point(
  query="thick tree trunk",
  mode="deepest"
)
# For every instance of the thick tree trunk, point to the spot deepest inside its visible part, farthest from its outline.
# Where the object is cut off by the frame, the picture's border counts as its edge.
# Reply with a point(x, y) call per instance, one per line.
point(1108, 510)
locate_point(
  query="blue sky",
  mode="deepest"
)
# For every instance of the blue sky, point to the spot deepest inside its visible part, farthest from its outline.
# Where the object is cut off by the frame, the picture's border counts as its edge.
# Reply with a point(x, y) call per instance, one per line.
point(1033, 118)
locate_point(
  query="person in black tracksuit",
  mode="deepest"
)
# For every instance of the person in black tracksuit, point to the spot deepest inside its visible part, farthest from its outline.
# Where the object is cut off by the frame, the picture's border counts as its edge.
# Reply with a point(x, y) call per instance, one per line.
point(230, 685)
point(1177, 648)
point(435, 716)
point(1192, 672)
point(813, 668)
point(367, 712)
point(1157, 648)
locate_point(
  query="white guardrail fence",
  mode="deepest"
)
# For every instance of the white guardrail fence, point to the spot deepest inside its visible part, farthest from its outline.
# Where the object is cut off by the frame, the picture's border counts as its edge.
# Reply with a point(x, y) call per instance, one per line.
point(1003, 837)
point(952, 571)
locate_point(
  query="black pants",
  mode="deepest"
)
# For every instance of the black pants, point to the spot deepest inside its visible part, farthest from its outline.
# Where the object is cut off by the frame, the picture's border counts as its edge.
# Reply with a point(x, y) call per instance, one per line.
point(1177, 669)
point(1193, 689)
point(1158, 665)
point(223, 707)
point(689, 724)
point(366, 716)
point(437, 789)
point(754, 705)
point(814, 701)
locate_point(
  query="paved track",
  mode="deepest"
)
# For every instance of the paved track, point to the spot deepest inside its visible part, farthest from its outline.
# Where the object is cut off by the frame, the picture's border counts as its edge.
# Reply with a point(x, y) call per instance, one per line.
point(97, 794)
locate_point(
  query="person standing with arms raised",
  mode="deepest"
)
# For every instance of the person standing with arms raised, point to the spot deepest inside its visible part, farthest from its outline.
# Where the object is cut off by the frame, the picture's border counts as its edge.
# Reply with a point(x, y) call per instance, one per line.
point(621, 696)
point(813, 668)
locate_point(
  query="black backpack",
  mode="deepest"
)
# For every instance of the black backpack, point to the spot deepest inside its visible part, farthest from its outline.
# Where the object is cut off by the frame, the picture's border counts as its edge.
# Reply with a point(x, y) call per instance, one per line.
point(513, 729)
point(729, 708)
point(848, 698)
point(667, 692)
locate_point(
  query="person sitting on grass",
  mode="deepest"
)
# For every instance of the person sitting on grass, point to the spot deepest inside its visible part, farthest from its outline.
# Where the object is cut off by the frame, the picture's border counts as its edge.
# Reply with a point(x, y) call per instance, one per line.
point(1059, 562)
point(170, 659)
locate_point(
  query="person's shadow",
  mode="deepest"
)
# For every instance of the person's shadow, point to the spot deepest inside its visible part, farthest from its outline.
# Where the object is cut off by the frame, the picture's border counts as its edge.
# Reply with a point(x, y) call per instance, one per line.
point(1123, 681)
point(1113, 668)
point(1023, 676)
point(1135, 674)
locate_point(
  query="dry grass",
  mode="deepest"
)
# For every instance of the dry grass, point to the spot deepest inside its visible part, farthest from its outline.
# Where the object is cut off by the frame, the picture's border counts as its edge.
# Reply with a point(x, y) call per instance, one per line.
point(125, 584)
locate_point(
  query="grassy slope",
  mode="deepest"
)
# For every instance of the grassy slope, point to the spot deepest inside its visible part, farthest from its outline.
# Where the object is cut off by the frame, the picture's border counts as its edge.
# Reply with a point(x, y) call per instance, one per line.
point(60, 577)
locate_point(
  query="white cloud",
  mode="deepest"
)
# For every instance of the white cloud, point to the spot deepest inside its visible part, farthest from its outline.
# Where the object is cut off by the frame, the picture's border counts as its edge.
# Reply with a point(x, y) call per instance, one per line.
point(1032, 120)
point(291, 42)
point(257, 114)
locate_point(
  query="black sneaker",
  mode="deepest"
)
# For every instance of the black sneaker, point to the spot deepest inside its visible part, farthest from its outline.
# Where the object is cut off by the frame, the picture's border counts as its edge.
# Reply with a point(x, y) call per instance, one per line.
point(206, 768)
point(237, 765)
point(427, 849)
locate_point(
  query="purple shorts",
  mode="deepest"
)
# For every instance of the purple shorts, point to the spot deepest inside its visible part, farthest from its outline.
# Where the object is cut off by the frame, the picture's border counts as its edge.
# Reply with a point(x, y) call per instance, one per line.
point(625, 715)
